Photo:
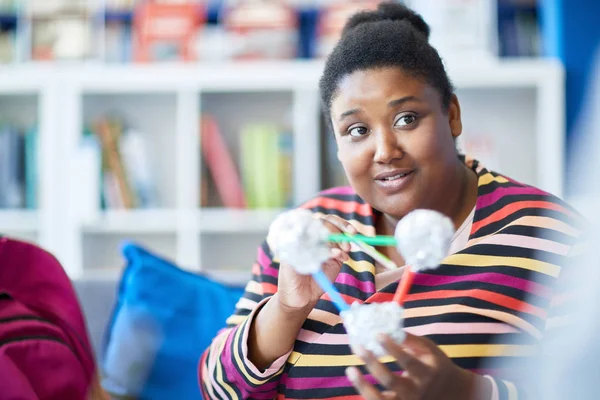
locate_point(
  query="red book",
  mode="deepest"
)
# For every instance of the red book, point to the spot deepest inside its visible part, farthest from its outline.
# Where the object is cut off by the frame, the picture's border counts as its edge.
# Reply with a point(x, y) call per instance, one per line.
point(176, 24)
point(221, 165)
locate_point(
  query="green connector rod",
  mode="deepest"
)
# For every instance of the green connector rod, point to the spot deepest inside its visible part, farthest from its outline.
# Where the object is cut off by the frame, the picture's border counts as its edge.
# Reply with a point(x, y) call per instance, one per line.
point(371, 240)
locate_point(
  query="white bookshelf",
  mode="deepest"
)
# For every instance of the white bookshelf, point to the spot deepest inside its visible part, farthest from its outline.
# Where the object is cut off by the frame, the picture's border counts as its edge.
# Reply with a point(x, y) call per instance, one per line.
point(519, 103)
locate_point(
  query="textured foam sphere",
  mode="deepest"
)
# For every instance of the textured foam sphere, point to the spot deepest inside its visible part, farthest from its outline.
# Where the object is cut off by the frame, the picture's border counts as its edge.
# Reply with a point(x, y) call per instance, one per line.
point(423, 238)
point(300, 240)
point(364, 322)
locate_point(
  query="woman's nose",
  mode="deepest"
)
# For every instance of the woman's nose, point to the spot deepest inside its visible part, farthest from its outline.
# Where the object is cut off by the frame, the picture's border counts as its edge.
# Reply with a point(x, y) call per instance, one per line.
point(387, 147)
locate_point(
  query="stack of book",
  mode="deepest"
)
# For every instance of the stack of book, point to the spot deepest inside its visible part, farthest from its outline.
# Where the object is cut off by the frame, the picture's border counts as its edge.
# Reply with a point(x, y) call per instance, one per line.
point(118, 158)
point(18, 167)
point(261, 178)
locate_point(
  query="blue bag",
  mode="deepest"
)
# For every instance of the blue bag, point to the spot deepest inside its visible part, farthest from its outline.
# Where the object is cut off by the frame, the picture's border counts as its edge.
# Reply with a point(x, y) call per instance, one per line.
point(164, 319)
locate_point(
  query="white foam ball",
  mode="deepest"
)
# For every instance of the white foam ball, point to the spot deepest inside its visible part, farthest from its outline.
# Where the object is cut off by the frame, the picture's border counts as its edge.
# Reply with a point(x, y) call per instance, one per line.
point(423, 238)
point(364, 322)
point(300, 240)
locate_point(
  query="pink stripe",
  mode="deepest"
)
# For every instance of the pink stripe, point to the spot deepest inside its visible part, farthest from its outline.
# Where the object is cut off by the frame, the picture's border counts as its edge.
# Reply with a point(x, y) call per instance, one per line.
point(342, 190)
point(451, 328)
point(491, 198)
point(325, 338)
point(325, 382)
point(487, 277)
point(210, 367)
point(227, 361)
point(270, 271)
point(524, 242)
point(263, 259)
point(232, 374)
point(265, 262)
point(347, 279)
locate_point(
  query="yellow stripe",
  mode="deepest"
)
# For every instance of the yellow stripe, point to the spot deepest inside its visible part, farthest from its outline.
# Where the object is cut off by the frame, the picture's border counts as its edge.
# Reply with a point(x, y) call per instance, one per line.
point(236, 319)
point(489, 178)
point(458, 308)
point(220, 379)
point(324, 317)
point(487, 350)
point(475, 260)
point(318, 360)
point(294, 357)
point(452, 351)
point(361, 266)
point(513, 393)
point(213, 360)
point(546, 222)
point(206, 378)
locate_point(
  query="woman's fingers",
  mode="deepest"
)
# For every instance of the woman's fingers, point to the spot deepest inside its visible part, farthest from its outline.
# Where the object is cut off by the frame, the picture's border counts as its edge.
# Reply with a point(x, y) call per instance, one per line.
point(337, 224)
point(377, 369)
point(339, 255)
point(398, 385)
point(405, 359)
point(364, 388)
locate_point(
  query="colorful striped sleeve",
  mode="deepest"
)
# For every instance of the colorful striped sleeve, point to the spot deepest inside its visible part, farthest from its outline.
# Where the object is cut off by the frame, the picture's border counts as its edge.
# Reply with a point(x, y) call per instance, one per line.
point(561, 319)
point(225, 371)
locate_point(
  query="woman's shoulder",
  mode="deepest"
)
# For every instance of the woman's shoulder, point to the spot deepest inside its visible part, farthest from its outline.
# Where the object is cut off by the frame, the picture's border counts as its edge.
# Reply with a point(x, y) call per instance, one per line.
point(342, 201)
point(503, 200)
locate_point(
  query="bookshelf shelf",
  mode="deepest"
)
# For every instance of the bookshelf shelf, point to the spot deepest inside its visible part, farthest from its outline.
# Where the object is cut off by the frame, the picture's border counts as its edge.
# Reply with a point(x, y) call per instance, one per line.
point(19, 221)
point(517, 73)
point(517, 102)
point(262, 76)
point(222, 220)
point(134, 221)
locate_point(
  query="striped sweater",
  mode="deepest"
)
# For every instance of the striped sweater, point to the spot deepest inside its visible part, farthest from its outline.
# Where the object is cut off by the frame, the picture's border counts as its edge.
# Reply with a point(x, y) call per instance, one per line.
point(488, 307)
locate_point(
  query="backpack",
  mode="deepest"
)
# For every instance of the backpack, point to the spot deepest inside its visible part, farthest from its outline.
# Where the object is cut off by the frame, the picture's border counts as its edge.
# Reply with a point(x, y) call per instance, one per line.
point(44, 347)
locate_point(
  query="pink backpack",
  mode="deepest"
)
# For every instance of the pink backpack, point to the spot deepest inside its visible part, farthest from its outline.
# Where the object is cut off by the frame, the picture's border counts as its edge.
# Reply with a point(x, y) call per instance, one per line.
point(44, 347)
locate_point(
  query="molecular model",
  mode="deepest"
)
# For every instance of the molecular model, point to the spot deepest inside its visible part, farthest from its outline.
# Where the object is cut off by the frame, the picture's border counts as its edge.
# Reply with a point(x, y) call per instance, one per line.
point(422, 237)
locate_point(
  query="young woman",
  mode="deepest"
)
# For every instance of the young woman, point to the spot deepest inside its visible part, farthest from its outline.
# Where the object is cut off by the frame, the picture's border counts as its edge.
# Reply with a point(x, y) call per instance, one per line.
point(395, 118)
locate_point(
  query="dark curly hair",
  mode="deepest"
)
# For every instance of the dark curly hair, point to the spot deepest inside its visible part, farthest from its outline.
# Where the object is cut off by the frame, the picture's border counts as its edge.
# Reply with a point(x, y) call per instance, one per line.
point(390, 36)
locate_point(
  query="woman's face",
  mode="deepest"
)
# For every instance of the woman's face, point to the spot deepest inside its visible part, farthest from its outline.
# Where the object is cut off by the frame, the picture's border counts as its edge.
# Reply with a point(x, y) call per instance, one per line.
point(396, 141)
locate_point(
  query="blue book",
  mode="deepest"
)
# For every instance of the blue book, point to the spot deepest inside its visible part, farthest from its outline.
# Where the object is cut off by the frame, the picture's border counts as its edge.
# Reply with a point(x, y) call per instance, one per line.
point(31, 168)
point(11, 186)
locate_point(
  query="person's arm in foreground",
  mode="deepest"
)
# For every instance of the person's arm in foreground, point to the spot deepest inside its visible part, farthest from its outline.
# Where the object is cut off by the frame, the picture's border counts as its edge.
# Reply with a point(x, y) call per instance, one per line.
point(246, 359)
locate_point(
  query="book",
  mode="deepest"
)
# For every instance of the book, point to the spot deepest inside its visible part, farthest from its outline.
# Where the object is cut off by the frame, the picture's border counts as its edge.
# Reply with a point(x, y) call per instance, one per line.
point(86, 173)
point(11, 168)
point(166, 31)
point(31, 168)
point(266, 160)
point(116, 181)
point(138, 167)
point(260, 30)
point(220, 164)
point(461, 29)
point(332, 20)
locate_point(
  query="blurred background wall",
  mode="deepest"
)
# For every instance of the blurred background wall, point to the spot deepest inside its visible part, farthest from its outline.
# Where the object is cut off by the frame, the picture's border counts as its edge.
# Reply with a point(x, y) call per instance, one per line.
point(101, 103)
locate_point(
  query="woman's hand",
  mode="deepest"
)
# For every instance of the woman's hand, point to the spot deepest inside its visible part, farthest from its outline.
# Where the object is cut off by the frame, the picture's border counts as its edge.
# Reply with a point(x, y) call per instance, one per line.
point(428, 374)
point(296, 292)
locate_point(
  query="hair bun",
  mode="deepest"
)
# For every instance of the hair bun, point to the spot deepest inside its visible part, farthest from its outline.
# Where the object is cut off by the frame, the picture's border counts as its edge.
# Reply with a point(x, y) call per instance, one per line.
point(389, 11)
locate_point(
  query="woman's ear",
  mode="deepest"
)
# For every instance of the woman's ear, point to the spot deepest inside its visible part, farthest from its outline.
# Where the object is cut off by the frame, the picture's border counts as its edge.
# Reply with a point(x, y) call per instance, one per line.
point(454, 118)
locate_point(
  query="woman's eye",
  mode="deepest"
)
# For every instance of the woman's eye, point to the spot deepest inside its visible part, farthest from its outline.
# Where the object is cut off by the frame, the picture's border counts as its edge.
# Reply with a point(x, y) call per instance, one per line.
point(357, 131)
point(406, 120)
